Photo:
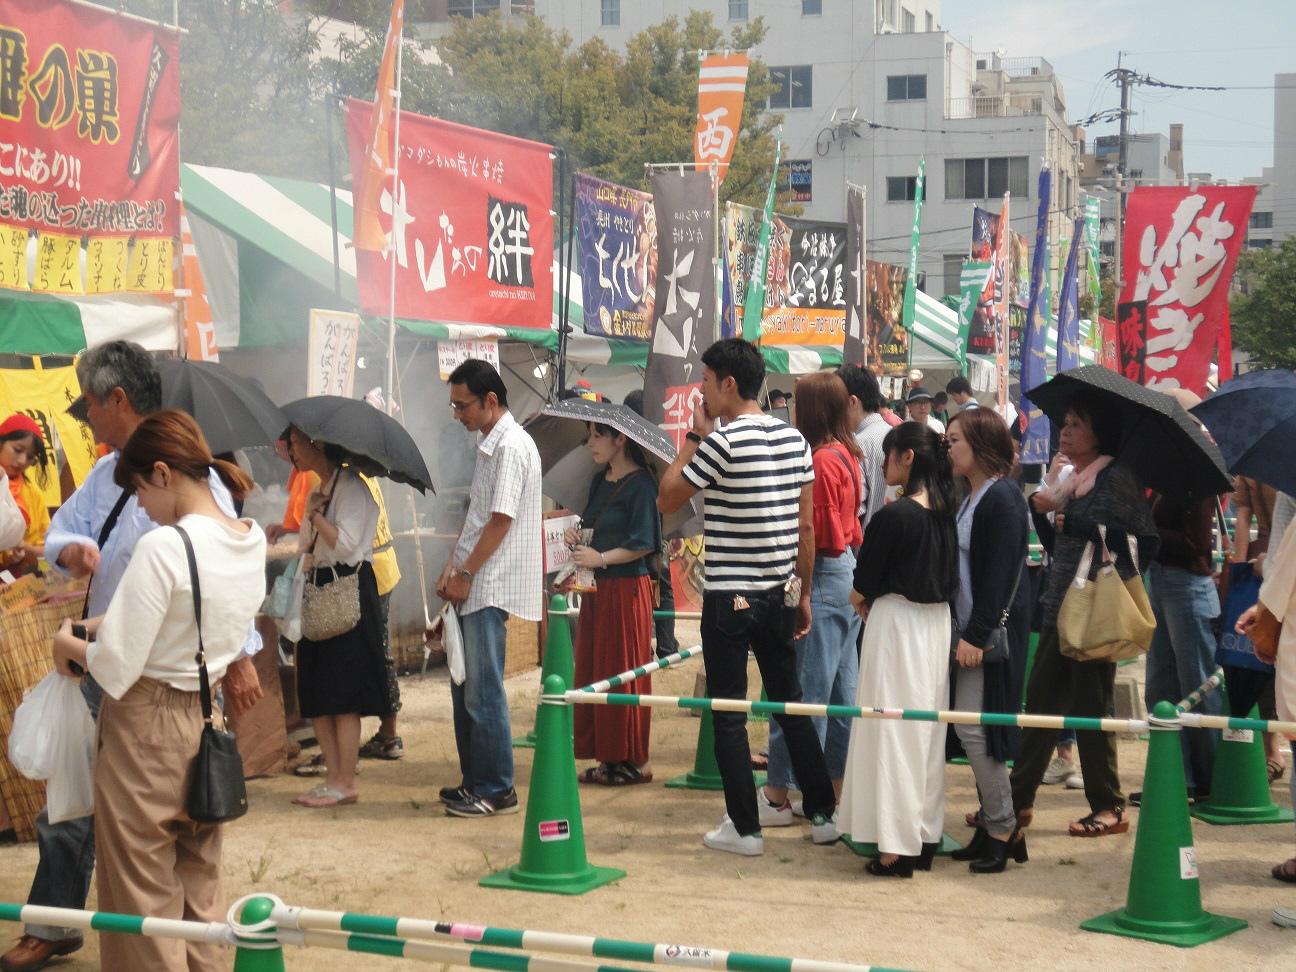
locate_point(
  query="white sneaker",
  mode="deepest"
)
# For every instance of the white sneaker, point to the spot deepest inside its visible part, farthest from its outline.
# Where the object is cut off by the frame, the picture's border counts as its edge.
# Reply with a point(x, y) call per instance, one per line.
point(823, 830)
point(770, 815)
point(1058, 771)
point(1075, 781)
point(726, 838)
point(1284, 917)
point(798, 809)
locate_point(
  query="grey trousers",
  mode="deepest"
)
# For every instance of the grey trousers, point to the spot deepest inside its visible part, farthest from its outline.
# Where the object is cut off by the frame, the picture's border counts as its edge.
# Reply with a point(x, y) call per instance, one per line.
point(997, 815)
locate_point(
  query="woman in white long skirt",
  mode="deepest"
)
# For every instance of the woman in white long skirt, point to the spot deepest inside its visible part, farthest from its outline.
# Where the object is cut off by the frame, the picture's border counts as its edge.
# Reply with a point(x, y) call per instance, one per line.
point(907, 575)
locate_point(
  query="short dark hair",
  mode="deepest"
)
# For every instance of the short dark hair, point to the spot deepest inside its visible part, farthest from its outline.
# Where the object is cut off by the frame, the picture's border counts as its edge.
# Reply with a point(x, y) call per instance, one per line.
point(1102, 418)
point(959, 385)
point(481, 379)
point(124, 365)
point(939, 401)
point(634, 401)
point(863, 384)
point(740, 360)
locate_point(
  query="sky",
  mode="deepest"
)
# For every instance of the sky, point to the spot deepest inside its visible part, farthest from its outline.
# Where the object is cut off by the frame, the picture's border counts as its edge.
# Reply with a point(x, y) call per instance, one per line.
point(1229, 134)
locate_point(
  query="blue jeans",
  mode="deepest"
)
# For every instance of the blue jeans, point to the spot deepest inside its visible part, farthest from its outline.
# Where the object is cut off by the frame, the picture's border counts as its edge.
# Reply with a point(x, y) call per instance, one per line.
point(827, 667)
point(1182, 656)
point(481, 715)
point(67, 854)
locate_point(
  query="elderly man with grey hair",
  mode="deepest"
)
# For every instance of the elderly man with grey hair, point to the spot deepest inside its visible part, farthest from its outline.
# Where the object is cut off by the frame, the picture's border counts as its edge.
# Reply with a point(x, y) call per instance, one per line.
point(93, 535)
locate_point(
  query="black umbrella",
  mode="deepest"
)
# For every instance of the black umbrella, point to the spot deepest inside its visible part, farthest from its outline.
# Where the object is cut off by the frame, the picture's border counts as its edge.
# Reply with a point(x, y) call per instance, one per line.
point(231, 410)
point(379, 443)
point(1253, 418)
point(1160, 442)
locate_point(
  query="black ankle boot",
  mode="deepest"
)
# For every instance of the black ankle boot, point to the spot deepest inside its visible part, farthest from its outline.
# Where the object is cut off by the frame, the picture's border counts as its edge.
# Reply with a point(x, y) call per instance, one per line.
point(902, 868)
point(1018, 842)
point(994, 857)
point(923, 862)
point(975, 848)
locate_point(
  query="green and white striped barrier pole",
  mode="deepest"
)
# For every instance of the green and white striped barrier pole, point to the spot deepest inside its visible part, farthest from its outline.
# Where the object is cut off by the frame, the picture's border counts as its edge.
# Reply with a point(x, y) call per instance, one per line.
point(1201, 691)
point(676, 615)
point(214, 933)
point(1194, 720)
point(410, 929)
point(636, 673)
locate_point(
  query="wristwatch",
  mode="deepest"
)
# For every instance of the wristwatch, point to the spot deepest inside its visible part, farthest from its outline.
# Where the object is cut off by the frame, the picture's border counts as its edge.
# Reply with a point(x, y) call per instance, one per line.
point(463, 572)
point(692, 436)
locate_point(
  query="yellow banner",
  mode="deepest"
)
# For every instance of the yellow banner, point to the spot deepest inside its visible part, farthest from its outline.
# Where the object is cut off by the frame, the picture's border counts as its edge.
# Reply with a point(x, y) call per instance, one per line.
point(44, 394)
point(149, 269)
point(58, 264)
point(13, 257)
point(106, 264)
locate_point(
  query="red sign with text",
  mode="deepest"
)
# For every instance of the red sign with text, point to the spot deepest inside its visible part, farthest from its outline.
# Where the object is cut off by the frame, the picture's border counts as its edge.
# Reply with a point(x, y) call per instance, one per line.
point(89, 106)
point(1181, 247)
point(471, 227)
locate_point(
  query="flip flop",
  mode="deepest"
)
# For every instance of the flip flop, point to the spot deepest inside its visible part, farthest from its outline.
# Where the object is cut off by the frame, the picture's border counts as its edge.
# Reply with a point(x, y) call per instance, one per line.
point(325, 796)
point(1090, 826)
point(312, 792)
point(1286, 871)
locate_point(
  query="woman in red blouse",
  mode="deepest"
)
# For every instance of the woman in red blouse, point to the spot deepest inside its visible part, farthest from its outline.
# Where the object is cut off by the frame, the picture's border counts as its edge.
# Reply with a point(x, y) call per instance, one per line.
point(828, 656)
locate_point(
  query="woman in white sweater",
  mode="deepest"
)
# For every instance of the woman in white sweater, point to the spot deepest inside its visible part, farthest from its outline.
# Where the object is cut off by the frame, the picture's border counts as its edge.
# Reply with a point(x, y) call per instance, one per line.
point(153, 859)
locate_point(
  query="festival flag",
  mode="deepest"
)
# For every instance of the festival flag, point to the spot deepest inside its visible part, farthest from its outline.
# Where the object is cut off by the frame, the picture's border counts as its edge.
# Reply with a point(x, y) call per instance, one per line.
point(1092, 221)
point(377, 167)
point(1183, 245)
point(1068, 326)
point(973, 279)
point(722, 84)
point(617, 242)
point(854, 348)
point(754, 307)
point(200, 332)
point(911, 281)
point(1001, 305)
point(1034, 354)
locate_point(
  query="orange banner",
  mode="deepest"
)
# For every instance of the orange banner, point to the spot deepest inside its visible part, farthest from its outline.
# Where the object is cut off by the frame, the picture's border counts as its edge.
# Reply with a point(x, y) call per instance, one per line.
point(375, 174)
point(722, 83)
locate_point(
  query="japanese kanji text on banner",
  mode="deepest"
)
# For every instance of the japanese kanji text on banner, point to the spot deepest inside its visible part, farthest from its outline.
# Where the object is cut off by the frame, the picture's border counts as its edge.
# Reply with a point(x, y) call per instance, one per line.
point(331, 353)
point(89, 104)
point(1182, 246)
point(471, 227)
point(722, 86)
point(617, 231)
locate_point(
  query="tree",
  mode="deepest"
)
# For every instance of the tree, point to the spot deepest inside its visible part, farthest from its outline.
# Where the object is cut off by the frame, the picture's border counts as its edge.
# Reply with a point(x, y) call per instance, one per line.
point(1264, 311)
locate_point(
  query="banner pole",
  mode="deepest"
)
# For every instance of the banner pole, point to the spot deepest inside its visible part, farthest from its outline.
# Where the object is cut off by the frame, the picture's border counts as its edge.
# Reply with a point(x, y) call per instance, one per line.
point(395, 193)
point(329, 105)
point(566, 224)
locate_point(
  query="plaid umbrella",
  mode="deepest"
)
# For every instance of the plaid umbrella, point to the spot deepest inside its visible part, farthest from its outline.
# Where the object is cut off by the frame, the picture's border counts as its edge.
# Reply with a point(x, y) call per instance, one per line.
point(1253, 418)
point(1160, 442)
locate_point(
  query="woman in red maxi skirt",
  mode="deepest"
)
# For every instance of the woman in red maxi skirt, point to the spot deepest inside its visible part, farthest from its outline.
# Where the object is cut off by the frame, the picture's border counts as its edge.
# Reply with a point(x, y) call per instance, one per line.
point(614, 630)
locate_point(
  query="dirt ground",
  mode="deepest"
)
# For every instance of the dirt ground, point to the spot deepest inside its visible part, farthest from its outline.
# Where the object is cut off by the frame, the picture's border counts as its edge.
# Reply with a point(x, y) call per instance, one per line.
point(397, 853)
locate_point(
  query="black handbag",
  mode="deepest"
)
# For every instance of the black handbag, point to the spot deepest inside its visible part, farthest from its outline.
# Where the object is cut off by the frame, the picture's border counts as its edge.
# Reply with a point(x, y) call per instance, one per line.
point(996, 649)
point(217, 793)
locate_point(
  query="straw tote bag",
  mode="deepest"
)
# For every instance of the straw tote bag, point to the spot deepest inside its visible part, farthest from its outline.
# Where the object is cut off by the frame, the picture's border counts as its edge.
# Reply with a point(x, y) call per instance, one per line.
point(1105, 618)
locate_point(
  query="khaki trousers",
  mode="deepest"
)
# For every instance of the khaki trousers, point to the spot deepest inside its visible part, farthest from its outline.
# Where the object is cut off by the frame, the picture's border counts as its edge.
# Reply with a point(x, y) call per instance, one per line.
point(153, 860)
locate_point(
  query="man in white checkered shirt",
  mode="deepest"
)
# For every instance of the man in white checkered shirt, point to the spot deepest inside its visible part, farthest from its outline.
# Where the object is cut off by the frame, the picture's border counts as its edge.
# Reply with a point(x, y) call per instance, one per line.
point(495, 570)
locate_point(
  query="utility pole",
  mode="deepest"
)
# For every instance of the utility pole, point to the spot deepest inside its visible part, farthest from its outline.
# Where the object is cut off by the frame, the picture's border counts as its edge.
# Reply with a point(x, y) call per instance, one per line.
point(1125, 79)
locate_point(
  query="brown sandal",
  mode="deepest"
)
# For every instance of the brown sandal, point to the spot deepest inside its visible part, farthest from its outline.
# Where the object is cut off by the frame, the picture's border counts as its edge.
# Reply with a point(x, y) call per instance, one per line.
point(1276, 769)
point(1286, 871)
point(1091, 826)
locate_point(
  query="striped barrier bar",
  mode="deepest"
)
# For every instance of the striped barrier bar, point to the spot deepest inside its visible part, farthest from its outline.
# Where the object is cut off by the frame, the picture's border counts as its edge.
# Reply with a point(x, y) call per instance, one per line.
point(573, 612)
point(1195, 720)
point(1022, 720)
point(1202, 690)
point(388, 929)
point(642, 670)
point(216, 933)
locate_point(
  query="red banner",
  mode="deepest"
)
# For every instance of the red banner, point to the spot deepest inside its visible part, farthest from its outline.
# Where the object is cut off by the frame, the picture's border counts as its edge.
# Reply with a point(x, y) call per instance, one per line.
point(470, 228)
point(1181, 247)
point(89, 104)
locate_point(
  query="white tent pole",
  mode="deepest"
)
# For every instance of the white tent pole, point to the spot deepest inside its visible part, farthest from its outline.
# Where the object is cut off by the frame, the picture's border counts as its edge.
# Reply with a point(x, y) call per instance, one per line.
point(395, 174)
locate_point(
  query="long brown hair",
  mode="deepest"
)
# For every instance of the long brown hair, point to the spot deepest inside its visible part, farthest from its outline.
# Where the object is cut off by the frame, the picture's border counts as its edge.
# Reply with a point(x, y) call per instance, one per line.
point(988, 437)
point(822, 412)
point(173, 437)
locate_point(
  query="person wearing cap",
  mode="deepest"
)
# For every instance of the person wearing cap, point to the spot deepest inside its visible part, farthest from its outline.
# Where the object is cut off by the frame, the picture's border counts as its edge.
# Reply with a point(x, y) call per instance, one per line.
point(919, 404)
point(22, 445)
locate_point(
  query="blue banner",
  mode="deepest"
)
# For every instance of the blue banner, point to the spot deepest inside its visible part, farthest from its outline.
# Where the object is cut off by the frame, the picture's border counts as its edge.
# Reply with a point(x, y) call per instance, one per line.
point(1034, 354)
point(617, 234)
point(1068, 337)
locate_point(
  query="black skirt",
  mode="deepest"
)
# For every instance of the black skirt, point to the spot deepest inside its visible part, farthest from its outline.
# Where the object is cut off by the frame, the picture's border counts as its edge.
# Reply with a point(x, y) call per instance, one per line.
point(346, 674)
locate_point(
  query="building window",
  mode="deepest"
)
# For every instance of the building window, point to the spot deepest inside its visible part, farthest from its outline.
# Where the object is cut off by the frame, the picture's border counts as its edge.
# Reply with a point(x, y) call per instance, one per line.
point(987, 178)
point(472, 8)
point(953, 266)
point(931, 22)
point(907, 87)
point(886, 11)
point(737, 9)
point(907, 24)
point(792, 87)
point(1259, 244)
point(811, 8)
point(1262, 220)
point(611, 11)
point(901, 188)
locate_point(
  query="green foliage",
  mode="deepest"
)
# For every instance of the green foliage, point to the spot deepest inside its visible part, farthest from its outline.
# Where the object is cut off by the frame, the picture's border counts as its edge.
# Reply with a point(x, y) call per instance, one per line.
point(1264, 312)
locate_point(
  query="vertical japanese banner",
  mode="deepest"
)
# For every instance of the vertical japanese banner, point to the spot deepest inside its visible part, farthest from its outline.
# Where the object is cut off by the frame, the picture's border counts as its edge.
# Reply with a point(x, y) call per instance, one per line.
point(1002, 233)
point(199, 330)
point(888, 341)
point(722, 86)
point(616, 230)
point(471, 227)
point(331, 353)
point(911, 278)
point(43, 393)
point(375, 171)
point(972, 283)
point(1068, 326)
point(1110, 344)
point(1034, 360)
point(1131, 328)
point(1093, 261)
point(855, 344)
point(985, 249)
point(684, 305)
point(1182, 246)
point(754, 305)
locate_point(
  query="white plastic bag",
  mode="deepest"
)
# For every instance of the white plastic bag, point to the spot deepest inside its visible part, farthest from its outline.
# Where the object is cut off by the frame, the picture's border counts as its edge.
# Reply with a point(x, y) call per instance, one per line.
point(452, 639)
point(289, 623)
point(53, 739)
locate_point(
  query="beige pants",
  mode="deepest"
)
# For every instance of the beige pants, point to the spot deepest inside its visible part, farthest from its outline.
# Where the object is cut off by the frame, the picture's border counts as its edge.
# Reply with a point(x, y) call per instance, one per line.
point(152, 859)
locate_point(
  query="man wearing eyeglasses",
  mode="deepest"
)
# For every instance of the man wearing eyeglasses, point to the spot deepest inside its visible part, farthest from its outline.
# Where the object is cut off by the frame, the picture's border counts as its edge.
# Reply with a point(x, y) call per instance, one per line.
point(495, 570)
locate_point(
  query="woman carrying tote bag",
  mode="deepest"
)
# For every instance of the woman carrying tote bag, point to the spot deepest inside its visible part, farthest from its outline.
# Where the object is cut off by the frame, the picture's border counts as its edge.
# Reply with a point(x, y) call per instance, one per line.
point(154, 859)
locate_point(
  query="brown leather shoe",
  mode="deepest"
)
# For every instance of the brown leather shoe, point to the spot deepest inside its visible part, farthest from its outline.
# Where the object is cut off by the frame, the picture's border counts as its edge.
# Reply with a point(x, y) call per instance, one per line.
point(32, 953)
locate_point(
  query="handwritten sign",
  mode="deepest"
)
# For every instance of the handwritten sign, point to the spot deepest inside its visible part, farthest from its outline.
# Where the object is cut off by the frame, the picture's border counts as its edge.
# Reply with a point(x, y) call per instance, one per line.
point(149, 269)
point(331, 353)
point(58, 264)
point(13, 257)
point(451, 354)
point(106, 264)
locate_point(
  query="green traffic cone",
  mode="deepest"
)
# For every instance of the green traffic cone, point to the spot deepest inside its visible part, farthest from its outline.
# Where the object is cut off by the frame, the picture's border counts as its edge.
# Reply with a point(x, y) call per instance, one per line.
point(254, 912)
point(558, 656)
point(1240, 782)
point(705, 774)
point(553, 840)
point(1164, 899)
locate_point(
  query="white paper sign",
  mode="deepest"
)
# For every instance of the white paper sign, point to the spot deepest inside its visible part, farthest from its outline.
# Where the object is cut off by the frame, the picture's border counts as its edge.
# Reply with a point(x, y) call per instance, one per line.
point(556, 552)
point(1188, 863)
point(331, 353)
point(451, 354)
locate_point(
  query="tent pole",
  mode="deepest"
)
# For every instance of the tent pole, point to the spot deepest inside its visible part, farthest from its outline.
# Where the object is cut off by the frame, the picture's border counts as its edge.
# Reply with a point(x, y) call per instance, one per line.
point(391, 254)
point(567, 214)
point(333, 214)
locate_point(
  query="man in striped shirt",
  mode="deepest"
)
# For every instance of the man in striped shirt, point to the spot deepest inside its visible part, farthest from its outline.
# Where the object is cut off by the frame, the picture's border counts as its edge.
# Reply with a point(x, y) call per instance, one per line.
point(757, 479)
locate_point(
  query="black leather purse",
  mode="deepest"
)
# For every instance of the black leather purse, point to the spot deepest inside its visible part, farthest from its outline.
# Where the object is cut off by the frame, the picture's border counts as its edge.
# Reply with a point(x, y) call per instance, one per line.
point(996, 651)
point(217, 793)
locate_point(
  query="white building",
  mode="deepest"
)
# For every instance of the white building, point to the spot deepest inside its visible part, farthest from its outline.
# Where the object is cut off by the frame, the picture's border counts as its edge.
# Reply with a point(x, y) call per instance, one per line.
point(1282, 189)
